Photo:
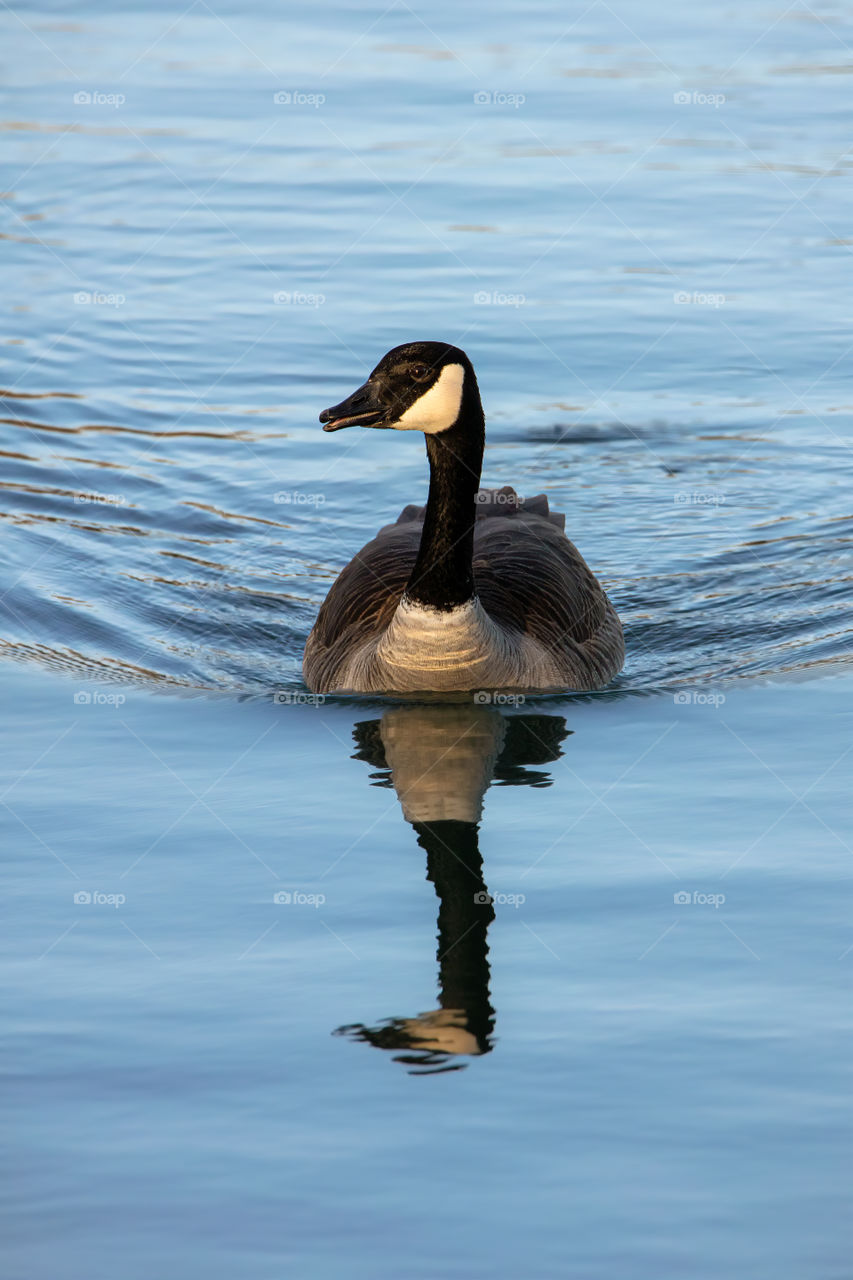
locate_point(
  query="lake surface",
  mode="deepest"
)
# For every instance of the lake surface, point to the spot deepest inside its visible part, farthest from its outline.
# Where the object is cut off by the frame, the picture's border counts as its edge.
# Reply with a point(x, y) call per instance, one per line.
point(346, 987)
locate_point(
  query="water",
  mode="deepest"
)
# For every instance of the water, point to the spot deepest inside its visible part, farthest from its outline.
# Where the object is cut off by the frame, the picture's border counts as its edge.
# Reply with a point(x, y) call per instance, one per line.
point(638, 227)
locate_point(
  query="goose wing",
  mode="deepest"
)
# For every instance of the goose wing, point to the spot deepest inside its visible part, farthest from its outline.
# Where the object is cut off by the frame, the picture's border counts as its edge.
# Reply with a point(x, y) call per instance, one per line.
point(531, 579)
point(362, 599)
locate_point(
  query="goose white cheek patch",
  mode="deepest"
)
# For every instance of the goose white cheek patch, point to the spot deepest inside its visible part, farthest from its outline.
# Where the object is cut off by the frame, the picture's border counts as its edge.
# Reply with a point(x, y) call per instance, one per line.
point(438, 408)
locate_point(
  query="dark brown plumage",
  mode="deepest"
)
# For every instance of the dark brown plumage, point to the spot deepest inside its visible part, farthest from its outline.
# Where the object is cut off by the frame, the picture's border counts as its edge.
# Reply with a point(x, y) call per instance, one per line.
point(528, 576)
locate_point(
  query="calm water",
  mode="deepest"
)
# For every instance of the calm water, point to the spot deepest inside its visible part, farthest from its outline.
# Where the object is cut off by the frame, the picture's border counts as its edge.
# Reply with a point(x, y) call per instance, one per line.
point(317, 1017)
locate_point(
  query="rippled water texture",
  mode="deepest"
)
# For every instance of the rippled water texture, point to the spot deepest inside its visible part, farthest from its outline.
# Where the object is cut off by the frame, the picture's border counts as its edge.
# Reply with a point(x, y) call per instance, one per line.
point(640, 232)
point(396, 992)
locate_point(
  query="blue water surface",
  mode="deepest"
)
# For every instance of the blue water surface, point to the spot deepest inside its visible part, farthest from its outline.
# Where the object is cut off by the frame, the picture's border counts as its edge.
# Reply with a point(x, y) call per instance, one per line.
point(332, 988)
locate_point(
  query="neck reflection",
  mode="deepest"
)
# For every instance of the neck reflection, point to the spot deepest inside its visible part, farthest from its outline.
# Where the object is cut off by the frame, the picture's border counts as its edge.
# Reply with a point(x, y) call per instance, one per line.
point(441, 760)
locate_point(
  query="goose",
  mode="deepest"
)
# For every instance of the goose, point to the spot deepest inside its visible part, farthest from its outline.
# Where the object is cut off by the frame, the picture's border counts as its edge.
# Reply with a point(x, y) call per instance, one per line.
point(479, 590)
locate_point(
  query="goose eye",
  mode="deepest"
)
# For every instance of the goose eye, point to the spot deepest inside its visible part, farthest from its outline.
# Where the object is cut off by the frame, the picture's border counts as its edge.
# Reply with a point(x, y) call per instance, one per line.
point(420, 371)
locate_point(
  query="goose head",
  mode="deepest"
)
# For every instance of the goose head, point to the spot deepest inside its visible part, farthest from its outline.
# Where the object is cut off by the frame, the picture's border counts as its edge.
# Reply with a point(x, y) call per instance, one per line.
point(419, 386)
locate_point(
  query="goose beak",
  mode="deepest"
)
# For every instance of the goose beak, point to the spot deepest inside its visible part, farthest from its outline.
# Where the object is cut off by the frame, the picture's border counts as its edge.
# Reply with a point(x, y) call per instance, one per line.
point(361, 409)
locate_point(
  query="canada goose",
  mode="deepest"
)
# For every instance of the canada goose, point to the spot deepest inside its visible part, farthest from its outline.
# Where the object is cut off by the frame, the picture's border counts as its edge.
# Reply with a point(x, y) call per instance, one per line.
point(478, 590)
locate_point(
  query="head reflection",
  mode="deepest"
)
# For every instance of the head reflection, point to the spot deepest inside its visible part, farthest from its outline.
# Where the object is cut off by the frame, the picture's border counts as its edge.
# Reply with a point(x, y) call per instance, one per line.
point(440, 760)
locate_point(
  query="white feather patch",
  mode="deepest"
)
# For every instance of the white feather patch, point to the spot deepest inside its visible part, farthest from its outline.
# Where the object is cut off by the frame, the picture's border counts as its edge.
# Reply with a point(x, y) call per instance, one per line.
point(438, 408)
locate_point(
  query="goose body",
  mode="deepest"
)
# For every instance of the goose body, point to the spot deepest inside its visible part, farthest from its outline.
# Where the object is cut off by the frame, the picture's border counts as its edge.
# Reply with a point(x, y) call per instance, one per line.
point(478, 590)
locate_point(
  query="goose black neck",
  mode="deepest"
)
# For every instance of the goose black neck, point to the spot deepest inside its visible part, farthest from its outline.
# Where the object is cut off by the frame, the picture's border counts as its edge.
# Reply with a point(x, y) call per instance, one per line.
point(443, 576)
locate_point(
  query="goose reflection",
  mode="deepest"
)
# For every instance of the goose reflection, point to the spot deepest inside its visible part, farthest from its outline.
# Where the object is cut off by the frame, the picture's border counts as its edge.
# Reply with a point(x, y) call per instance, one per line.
point(440, 760)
